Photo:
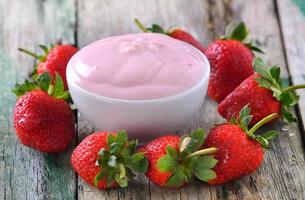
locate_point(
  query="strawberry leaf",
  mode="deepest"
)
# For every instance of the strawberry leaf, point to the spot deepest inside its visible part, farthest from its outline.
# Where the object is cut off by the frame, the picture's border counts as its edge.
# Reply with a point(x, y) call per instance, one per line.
point(243, 119)
point(205, 162)
point(100, 176)
point(156, 29)
point(171, 152)
point(237, 32)
point(270, 79)
point(192, 142)
point(178, 178)
point(270, 134)
point(39, 57)
point(130, 148)
point(188, 160)
point(110, 139)
point(275, 73)
point(45, 49)
point(121, 137)
point(263, 82)
point(288, 116)
point(59, 85)
point(263, 141)
point(205, 174)
point(139, 163)
point(233, 120)
point(287, 98)
point(110, 177)
point(116, 147)
point(167, 163)
point(251, 46)
point(59, 90)
point(261, 68)
point(43, 81)
point(21, 89)
point(119, 160)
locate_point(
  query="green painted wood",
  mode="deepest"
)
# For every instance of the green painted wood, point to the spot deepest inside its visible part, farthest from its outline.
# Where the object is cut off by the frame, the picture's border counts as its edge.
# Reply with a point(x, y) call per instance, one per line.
point(24, 172)
point(282, 174)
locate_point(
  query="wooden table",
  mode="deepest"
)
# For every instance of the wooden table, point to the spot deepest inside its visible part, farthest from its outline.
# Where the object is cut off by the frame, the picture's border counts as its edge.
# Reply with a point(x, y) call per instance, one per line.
point(277, 26)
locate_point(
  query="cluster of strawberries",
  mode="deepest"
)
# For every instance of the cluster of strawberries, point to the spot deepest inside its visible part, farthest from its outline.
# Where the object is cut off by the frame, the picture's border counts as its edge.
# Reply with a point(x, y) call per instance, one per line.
point(247, 96)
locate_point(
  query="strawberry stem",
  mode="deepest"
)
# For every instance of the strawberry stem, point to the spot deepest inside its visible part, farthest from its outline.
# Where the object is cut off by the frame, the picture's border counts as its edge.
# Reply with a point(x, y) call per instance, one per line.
point(202, 152)
point(140, 25)
point(122, 170)
point(50, 90)
point(262, 122)
point(293, 87)
point(29, 53)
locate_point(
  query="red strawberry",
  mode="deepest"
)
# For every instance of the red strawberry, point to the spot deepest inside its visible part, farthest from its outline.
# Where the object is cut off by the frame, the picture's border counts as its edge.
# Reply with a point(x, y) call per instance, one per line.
point(54, 60)
point(230, 60)
point(264, 93)
point(176, 33)
point(43, 119)
point(107, 160)
point(186, 37)
point(173, 160)
point(239, 152)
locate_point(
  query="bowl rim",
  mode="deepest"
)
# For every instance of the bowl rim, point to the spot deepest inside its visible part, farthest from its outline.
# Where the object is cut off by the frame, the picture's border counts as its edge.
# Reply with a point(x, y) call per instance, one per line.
point(203, 79)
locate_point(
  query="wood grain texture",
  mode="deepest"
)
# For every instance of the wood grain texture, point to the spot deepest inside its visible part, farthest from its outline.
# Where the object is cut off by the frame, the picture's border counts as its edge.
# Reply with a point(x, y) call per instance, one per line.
point(282, 174)
point(24, 172)
point(292, 22)
point(285, 159)
point(28, 174)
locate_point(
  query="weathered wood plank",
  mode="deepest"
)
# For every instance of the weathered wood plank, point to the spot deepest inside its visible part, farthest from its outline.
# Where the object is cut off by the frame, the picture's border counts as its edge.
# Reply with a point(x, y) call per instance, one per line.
point(24, 172)
point(292, 19)
point(286, 157)
point(282, 174)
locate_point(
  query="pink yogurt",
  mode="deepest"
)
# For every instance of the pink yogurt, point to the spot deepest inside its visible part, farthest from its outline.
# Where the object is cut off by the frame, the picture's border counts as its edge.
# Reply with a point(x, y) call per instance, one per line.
point(137, 66)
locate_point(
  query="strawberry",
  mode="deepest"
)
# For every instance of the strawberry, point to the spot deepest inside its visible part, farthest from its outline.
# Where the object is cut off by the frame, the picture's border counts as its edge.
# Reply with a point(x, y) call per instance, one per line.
point(176, 33)
point(107, 160)
point(173, 160)
point(55, 59)
point(231, 61)
point(43, 119)
point(265, 94)
point(240, 151)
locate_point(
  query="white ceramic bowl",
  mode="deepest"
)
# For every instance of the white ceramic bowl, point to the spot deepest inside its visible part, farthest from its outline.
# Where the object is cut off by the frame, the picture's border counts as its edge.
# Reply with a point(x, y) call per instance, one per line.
point(142, 119)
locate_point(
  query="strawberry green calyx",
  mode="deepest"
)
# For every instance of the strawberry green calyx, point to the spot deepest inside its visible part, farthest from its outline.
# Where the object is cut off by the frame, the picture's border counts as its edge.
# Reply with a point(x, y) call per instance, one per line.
point(188, 161)
point(243, 121)
point(239, 32)
point(155, 28)
point(44, 82)
point(119, 161)
point(270, 79)
point(39, 57)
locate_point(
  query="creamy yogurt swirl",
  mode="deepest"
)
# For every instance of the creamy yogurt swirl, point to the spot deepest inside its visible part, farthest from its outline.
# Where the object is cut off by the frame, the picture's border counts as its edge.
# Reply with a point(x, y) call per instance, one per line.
point(137, 66)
